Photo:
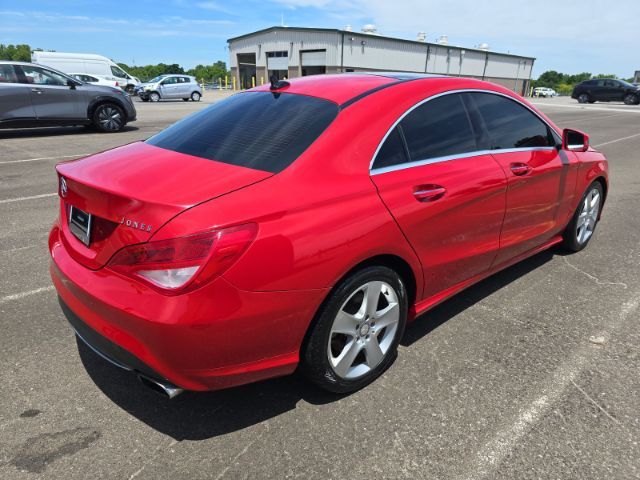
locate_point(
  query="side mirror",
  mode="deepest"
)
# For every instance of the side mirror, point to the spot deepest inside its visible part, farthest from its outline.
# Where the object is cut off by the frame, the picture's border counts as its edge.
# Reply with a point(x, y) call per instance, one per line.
point(574, 140)
point(71, 84)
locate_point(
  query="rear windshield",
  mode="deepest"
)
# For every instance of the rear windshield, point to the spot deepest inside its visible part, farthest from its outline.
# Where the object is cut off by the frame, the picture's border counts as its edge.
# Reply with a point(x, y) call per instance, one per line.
point(260, 130)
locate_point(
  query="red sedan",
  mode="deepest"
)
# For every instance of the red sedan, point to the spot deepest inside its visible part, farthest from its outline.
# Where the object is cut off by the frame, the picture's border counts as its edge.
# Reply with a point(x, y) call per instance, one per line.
point(303, 224)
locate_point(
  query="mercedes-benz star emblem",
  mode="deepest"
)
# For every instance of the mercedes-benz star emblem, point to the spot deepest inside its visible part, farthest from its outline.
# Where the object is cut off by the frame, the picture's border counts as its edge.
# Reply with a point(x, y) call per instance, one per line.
point(63, 187)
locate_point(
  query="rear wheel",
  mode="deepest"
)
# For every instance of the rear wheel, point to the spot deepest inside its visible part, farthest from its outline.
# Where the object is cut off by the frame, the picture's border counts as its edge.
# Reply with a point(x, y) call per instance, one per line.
point(109, 118)
point(583, 98)
point(195, 96)
point(154, 96)
point(356, 335)
point(584, 220)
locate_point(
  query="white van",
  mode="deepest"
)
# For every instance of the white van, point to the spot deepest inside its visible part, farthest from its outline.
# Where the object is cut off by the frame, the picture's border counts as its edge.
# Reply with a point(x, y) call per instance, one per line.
point(87, 63)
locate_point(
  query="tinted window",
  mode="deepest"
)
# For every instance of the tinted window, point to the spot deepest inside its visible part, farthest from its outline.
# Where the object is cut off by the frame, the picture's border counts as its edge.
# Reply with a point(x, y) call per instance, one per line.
point(438, 128)
point(590, 82)
point(42, 76)
point(510, 125)
point(8, 74)
point(392, 151)
point(258, 130)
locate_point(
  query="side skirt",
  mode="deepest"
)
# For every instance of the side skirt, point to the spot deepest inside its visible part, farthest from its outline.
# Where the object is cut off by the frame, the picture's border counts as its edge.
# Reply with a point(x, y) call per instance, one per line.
point(428, 303)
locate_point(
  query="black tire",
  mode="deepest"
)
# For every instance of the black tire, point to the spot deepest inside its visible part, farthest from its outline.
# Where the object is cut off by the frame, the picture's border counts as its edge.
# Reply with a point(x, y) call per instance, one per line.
point(571, 237)
point(195, 96)
point(314, 358)
point(631, 99)
point(109, 118)
point(584, 98)
point(154, 97)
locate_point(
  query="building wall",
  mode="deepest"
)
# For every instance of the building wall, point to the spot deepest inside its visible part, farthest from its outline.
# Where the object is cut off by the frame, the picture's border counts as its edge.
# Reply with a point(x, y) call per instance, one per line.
point(363, 52)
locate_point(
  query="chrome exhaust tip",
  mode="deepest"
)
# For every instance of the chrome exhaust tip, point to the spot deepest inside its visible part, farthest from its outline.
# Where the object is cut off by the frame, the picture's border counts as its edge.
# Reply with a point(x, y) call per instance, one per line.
point(163, 389)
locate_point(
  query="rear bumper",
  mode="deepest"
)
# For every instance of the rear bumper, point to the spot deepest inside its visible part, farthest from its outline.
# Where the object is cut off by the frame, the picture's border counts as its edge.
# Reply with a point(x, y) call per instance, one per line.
point(215, 337)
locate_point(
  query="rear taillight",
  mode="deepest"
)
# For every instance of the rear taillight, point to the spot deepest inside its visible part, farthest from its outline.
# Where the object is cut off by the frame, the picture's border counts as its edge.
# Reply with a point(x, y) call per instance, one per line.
point(185, 263)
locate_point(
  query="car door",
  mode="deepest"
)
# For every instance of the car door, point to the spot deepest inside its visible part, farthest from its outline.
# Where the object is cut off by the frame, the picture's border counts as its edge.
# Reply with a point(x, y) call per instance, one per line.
point(51, 97)
point(168, 87)
point(183, 87)
point(15, 97)
point(447, 197)
point(541, 177)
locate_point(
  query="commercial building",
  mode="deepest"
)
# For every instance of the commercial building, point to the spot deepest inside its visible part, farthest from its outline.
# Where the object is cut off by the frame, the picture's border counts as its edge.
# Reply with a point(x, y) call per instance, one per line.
point(295, 52)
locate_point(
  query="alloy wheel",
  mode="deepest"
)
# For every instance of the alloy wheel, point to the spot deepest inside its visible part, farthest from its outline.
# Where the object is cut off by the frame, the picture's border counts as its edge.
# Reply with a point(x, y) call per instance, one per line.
point(154, 97)
point(588, 216)
point(110, 118)
point(364, 330)
point(583, 98)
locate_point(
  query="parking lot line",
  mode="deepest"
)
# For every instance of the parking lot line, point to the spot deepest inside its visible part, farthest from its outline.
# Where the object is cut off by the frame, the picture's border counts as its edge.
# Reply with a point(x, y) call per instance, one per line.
point(587, 108)
point(618, 140)
point(32, 197)
point(504, 441)
point(28, 293)
point(44, 158)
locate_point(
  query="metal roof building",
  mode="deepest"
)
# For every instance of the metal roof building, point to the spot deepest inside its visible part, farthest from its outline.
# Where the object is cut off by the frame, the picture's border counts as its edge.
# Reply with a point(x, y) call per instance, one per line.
point(293, 52)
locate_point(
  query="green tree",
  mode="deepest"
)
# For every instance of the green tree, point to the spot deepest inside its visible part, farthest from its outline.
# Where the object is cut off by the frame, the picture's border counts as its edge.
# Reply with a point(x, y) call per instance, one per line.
point(18, 53)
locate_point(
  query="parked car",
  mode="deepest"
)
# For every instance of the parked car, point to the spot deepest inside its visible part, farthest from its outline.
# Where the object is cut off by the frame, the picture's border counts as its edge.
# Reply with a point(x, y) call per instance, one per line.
point(304, 224)
point(35, 96)
point(544, 92)
point(96, 79)
point(606, 90)
point(87, 63)
point(166, 87)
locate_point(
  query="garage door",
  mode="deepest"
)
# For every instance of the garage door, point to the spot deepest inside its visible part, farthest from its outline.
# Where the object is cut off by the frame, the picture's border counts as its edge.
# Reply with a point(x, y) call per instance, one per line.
point(314, 58)
point(277, 63)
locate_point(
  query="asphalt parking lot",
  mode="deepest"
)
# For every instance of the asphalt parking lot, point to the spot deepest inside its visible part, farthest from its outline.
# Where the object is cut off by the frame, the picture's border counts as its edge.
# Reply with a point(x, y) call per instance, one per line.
point(533, 373)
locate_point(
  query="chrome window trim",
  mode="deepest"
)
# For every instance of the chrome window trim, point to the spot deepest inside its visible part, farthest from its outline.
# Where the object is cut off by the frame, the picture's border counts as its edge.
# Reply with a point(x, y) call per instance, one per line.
point(474, 153)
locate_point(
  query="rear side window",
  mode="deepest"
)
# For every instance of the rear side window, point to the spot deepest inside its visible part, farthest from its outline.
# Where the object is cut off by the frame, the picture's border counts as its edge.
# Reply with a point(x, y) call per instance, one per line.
point(509, 124)
point(438, 128)
point(258, 130)
point(8, 74)
point(392, 151)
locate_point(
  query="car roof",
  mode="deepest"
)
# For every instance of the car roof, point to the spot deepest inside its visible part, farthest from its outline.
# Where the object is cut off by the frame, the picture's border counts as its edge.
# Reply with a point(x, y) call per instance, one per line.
point(341, 88)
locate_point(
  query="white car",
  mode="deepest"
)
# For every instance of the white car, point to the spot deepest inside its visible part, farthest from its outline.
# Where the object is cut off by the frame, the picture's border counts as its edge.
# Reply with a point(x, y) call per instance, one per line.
point(98, 79)
point(544, 92)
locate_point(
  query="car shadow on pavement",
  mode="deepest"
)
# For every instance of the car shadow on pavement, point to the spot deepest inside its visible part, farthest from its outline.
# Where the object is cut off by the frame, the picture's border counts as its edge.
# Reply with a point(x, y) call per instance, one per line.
point(448, 309)
point(56, 131)
point(203, 415)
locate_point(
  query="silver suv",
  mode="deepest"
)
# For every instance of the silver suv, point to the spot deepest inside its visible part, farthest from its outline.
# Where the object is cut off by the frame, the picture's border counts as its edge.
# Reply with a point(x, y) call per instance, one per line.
point(170, 86)
point(32, 95)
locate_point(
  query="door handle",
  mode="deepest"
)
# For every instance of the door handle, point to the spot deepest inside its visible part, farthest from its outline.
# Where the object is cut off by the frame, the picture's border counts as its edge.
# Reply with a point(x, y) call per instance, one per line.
point(520, 169)
point(37, 90)
point(428, 193)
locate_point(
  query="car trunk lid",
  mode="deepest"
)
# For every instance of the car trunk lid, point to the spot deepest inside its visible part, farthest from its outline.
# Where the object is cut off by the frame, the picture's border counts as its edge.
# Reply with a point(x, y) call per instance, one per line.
point(133, 190)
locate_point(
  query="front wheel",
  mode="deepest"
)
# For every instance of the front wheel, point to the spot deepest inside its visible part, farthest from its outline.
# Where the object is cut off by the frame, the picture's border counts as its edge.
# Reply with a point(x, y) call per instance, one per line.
point(195, 96)
point(154, 96)
point(583, 223)
point(583, 98)
point(356, 334)
point(109, 118)
point(631, 99)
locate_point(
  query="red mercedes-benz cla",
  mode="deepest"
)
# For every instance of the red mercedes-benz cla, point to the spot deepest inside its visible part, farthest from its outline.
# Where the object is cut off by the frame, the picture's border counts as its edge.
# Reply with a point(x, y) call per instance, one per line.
point(303, 224)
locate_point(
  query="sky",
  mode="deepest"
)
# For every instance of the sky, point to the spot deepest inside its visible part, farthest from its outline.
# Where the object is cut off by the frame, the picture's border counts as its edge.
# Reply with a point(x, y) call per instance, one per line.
point(566, 36)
